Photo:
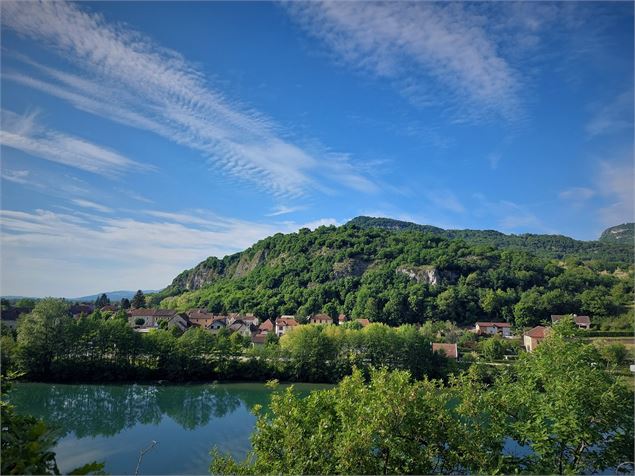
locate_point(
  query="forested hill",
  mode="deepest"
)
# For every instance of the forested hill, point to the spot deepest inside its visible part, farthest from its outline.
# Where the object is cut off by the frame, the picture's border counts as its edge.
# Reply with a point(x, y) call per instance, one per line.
point(399, 277)
point(615, 244)
point(624, 233)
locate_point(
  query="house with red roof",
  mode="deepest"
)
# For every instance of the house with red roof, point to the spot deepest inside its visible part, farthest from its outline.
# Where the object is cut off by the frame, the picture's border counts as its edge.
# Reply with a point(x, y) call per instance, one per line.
point(533, 337)
point(363, 322)
point(582, 322)
point(284, 324)
point(321, 319)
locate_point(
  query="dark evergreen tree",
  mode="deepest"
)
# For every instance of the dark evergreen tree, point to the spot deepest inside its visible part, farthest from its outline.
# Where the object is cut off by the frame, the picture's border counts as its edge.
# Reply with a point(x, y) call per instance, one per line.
point(125, 303)
point(139, 299)
point(102, 301)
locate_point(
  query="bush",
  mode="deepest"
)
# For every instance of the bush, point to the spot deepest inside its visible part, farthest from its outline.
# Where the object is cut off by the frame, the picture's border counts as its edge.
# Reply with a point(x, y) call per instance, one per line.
point(139, 321)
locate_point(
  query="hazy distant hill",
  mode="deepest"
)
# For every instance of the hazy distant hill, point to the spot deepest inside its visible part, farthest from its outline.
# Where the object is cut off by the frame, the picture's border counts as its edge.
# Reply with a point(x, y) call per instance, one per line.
point(615, 244)
point(114, 296)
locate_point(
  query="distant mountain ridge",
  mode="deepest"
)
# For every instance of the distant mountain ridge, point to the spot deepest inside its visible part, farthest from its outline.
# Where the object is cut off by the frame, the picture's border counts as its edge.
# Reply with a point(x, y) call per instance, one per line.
point(112, 295)
point(615, 243)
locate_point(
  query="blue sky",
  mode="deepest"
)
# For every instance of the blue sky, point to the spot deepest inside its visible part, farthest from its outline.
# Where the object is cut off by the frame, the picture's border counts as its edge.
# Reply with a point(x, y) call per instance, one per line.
point(139, 138)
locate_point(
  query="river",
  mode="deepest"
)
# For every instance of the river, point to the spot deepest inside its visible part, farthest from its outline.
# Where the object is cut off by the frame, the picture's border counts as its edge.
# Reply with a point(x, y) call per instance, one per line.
point(111, 423)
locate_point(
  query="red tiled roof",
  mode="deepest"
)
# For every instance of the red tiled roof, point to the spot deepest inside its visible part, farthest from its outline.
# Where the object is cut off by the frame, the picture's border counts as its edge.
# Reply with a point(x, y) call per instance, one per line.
point(364, 322)
point(577, 319)
point(286, 321)
point(341, 318)
point(321, 317)
point(493, 324)
point(450, 350)
point(538, 332)
point(266, 326)
point(259, 338)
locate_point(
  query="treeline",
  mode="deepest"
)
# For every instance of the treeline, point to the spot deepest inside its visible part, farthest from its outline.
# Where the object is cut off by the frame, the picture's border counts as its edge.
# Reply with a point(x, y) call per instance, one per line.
point(51, 346)
point(605, 249)
point(402, 278)
point(554, 412)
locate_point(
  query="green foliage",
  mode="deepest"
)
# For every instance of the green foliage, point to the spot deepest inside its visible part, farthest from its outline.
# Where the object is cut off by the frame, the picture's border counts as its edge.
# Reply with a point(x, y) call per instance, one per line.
point(575, 417)
point(27, 442)
point(102, 301)
point(138, 300)
point(125, 303)
point(494, 348)
point(569, 415)
point(399, 278)
point(391, 425)
point(613, 353)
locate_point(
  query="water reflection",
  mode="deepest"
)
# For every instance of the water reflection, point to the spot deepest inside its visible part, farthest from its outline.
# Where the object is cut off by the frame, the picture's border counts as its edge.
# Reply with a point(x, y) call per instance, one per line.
point(111, 423)
point(105, 410)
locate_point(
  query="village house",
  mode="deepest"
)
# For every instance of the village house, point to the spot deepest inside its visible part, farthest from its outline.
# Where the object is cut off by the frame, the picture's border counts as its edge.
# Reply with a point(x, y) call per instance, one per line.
point(583, 322)
point(321, 319)
point(493, 328)
point(341, 319)
point(249, 319)
point(363, 322)
point(449, 350)
point(259, 339)
point(109, 308)
point(218, 323)
point(200, 318)
point(242, 328)
point(265, 327)
point(534, 336)
point(143, 319)
point(284, 324)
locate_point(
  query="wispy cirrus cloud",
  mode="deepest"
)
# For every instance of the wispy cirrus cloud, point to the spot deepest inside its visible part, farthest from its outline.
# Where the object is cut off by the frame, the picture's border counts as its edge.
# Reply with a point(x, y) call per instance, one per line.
point(22, 132)
point(51, 253)
point(92, 205)
point(445, 200)
point(615, 183)
point(428, 49)
point(283, 210)
point(613, 117)
point(16, 176)
point(128, 78)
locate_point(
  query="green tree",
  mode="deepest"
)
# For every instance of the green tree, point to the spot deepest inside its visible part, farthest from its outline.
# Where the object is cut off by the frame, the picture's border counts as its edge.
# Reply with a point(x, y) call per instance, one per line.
point(139, 300)
point(102, 301)
point(39, 336)
point(125, 303)
point(575, 417)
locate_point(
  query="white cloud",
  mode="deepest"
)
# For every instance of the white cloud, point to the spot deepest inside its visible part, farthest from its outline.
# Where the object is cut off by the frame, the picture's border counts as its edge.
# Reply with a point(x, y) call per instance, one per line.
point(446, 200)
point(577, 194)
point(25, 134)
point(494, 158)
point(283, 210)
point(129, 79)
point(92, 205)
point(425, 47)
point(17, 176)
point(65, 254)
point(614, 117)
point(615, 183)
point(509, 216)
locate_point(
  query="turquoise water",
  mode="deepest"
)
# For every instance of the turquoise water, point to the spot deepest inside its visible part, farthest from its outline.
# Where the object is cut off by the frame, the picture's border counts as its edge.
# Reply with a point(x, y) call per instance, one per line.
point(112, 423)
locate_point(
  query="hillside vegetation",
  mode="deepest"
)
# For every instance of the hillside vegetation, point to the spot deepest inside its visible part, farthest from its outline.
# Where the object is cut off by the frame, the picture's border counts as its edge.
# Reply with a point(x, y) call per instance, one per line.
point(615, 243)
point(398, 277)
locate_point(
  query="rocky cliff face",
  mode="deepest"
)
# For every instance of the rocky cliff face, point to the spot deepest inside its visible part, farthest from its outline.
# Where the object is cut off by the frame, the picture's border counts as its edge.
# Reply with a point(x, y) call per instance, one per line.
point(624, 233)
